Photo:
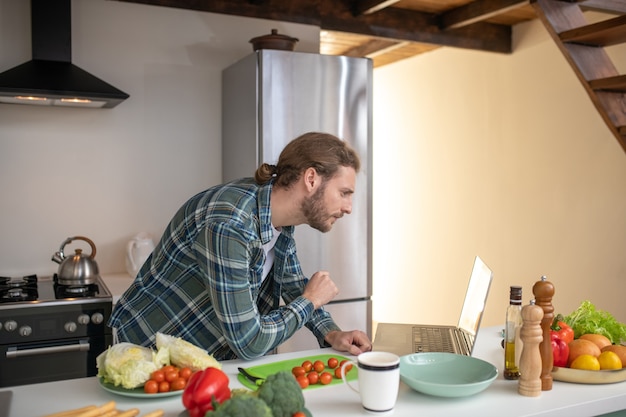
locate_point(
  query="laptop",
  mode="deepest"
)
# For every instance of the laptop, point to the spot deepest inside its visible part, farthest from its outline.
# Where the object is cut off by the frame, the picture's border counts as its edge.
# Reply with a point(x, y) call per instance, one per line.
point(404, 339)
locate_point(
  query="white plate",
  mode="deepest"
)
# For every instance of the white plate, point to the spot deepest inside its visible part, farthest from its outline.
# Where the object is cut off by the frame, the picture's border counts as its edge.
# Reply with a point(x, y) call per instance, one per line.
point(582, 376)
point(136, 392)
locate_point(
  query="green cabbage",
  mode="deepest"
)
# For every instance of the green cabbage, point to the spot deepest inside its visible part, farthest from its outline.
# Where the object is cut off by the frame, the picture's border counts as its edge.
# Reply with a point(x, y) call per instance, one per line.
point(130, 365)
point(184, 354)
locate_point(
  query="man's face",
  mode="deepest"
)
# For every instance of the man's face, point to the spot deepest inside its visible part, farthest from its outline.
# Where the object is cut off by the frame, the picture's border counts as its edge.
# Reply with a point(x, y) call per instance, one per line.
point(331, 200)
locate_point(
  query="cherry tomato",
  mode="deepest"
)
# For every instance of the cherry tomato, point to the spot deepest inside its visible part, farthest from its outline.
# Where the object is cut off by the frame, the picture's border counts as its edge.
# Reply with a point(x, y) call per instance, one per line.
point(299, 414)
point(169, 368)
point(158, 375)
point(303, 381)
point(314, 377)
point(185, 372)
point(319, 366)
point(171, 375)
point(151, 387)
point(332, 363)
point(348, 368)
point(307, 365)
point(298, 371)
point(338, 372)
point(326, 378)
point(178, 384)
point(164, 386)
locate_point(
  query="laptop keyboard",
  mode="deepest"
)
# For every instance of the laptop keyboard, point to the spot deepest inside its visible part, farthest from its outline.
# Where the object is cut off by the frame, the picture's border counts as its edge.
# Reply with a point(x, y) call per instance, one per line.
point(432, 339)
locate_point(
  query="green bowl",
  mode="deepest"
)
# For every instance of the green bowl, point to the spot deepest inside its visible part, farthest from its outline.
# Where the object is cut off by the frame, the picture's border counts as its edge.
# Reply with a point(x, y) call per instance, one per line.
point(446, 374)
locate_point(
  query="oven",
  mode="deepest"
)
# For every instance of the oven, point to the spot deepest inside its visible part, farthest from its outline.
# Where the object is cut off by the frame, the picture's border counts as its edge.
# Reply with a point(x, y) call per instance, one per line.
point(50, 332)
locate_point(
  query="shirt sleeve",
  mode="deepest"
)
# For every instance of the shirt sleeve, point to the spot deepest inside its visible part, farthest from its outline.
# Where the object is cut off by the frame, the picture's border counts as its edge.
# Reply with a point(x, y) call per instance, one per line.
point(228, 255)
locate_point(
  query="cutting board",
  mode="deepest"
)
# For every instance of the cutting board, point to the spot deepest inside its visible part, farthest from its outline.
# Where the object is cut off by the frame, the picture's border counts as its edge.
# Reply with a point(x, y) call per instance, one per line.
point(264, 371)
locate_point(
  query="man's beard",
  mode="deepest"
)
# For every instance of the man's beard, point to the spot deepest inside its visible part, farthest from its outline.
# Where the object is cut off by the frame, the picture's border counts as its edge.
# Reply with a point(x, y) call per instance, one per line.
point(314, 211)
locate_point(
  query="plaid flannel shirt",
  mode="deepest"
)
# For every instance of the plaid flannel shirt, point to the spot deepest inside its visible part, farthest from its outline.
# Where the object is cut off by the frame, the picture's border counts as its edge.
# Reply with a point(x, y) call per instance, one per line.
point(203, 282)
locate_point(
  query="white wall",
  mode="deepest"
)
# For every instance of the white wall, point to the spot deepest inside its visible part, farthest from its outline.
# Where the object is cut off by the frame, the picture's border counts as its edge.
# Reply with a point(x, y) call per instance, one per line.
point(475, 153)
point(503, 156)
point(108, 174)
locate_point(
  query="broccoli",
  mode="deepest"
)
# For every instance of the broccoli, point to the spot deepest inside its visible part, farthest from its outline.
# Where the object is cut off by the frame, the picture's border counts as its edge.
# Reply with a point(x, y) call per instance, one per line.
point(282, 393)
point(242, 405)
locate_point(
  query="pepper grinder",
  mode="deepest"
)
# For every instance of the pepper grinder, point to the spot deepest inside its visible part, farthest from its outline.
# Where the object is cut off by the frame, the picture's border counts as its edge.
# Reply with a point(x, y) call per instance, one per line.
point(543, 291)
point(530, 362)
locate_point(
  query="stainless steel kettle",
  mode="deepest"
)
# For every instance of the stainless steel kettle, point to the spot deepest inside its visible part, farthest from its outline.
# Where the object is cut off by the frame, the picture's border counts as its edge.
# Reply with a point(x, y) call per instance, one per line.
point(78, 269)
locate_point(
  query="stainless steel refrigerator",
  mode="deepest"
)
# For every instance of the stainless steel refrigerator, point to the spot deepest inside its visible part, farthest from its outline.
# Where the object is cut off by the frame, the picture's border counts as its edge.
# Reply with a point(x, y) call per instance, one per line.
point(269, 98)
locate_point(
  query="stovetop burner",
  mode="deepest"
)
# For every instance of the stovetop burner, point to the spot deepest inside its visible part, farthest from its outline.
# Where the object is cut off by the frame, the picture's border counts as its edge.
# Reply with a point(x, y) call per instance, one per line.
point(31, 289)
point(24, 289)
point(70, 291)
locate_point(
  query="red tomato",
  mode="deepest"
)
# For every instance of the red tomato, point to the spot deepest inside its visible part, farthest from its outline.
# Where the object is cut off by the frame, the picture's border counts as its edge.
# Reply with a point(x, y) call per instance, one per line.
point(158, 375)
point(168, 368)
point(185, 372)
point(319, 366)
point(326, 378)
point(348, 368)
point(178, 384)
point(299, 414)
point(338, 372)
point(164, 386)
point(332, 363)
point(171, 375)
point(151, 387)
point(298, 371)
point(303, 381)
point(314, 377)
point(307, 365)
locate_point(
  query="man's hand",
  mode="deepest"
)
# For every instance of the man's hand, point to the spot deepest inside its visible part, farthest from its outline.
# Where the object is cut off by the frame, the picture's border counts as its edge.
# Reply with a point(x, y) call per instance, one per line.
point(353, 342)
point(320, 289)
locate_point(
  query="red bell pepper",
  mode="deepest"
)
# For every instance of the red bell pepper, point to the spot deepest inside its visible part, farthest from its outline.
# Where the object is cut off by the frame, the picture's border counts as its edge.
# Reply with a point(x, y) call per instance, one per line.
point(205, 390)
point(561, 328)
point(560, 349)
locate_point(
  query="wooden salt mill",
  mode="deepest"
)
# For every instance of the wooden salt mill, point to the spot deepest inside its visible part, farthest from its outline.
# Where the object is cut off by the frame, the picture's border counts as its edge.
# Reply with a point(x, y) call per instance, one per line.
point(543, 291)
point(530, 363)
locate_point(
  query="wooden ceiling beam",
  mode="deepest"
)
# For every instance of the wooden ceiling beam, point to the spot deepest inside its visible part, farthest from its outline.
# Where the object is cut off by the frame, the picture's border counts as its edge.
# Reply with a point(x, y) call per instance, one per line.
point(361, 7)
point(413, 26)
point(337, 15)
point(477, 11)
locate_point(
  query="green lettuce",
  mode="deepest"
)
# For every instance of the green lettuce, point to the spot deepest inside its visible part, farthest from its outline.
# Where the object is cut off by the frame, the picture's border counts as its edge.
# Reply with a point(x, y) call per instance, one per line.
point(129, 365)
point(587, 319)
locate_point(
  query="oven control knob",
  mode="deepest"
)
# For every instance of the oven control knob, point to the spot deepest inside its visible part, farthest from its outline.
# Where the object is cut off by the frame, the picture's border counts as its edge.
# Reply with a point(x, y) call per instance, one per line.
point(10, 325)
point(25, 331)
point(97, 318)
point(70, 327)
point(83, 319)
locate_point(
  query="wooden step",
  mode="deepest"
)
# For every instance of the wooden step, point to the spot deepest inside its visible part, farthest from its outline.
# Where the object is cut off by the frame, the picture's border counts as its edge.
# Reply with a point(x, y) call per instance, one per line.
point(582, 44)
point(605, 33)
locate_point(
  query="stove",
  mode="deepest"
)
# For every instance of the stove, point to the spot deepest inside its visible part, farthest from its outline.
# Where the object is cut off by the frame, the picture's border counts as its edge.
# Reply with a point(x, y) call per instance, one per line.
point(50, 331)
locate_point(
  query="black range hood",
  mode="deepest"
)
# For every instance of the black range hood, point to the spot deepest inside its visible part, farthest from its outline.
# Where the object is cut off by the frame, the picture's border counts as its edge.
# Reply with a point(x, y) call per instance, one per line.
point(50, 78)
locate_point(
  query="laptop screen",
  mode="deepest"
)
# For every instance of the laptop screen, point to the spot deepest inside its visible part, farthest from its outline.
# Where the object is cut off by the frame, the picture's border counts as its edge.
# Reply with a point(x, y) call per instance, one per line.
point(476, 297)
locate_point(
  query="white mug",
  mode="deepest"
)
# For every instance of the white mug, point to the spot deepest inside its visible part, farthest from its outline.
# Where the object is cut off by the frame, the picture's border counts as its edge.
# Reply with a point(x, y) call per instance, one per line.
point(379, 380)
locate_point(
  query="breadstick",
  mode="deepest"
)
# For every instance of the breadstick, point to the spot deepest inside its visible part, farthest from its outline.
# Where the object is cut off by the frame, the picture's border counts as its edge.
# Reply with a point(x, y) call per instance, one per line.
point(156, 413)
point(129, 413)
point(69, 413)
point(99, 410)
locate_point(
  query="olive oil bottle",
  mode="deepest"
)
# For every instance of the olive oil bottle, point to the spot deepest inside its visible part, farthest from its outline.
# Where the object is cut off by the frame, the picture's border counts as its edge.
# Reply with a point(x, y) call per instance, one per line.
point(512, 341)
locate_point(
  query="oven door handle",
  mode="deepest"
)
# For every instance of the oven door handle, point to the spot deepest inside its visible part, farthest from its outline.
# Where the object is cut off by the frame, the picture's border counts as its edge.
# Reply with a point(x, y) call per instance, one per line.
point(13, 352)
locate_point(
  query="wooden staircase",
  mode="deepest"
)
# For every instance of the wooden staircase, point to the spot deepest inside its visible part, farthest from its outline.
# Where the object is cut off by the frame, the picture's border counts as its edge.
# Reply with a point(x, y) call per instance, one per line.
point(583, 45)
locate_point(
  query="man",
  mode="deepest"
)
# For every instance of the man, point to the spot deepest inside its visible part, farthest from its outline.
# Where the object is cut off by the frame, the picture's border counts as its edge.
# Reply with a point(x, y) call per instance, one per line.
point(228, 255)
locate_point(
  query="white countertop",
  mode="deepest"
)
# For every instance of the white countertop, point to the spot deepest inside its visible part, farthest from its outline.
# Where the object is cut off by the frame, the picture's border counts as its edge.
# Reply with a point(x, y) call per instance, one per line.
point(117, 284)
point(500, 399)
